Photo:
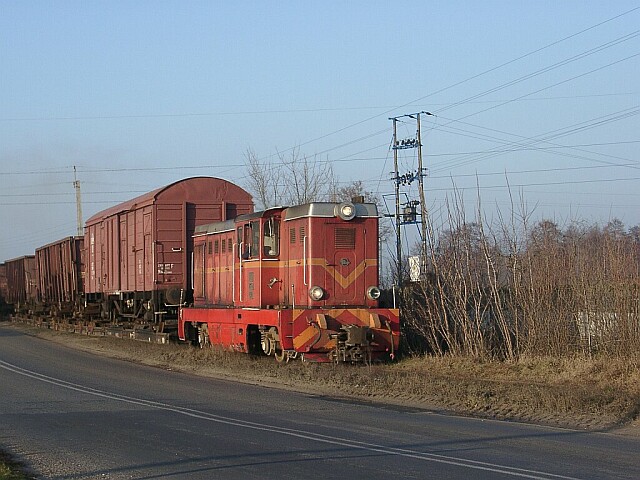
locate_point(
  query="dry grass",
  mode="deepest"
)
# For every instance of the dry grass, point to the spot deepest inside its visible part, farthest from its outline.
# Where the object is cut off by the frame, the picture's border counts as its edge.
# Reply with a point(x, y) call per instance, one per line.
point(590, 393)
point(594, 393)
point(10, 469)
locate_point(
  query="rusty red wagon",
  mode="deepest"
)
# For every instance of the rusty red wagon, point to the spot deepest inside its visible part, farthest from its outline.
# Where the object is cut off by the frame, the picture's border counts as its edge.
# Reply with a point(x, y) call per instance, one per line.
point(60, 274)
point(22, 282)
point(138, 253)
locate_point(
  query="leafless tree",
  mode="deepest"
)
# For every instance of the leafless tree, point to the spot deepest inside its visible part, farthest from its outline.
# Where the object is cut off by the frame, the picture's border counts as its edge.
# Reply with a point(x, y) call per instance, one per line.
point(262, 180)
point(292, 179)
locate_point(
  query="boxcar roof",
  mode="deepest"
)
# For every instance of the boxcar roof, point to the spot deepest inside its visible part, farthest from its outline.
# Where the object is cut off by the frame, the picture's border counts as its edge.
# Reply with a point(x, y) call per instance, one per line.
point(24, 257)
point(220, 190)
point(70, 238)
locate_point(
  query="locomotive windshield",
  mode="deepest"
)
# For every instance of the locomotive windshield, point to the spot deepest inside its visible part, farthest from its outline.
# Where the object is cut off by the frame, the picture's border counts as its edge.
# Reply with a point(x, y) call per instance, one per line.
point(250, 241)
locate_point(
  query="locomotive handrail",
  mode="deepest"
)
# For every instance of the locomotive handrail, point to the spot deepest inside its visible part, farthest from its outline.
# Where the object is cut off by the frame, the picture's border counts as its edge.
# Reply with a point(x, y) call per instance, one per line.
point(240, 247)
point(193, 272)
point(233, 272)
point(304, 260)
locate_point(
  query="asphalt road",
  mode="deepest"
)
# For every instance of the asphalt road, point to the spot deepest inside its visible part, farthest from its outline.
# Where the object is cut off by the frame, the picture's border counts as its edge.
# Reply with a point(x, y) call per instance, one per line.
point(72, 415)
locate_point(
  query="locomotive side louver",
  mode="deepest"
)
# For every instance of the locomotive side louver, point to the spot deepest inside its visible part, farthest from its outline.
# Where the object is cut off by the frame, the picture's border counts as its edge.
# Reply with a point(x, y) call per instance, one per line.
point(345, 238)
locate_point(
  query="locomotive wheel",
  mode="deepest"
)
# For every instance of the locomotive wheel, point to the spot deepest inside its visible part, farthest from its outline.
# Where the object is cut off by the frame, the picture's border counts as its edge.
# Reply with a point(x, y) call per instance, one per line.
point(270, 342)
point(203, 335)
point(268, 346)
point(280, 355)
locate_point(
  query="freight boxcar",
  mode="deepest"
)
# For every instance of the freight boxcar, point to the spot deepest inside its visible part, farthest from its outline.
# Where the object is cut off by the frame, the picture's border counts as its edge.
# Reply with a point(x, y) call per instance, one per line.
point(22, 282)
point(289, 282)
point(3, 287)
point(60, 276)
point(138, 253)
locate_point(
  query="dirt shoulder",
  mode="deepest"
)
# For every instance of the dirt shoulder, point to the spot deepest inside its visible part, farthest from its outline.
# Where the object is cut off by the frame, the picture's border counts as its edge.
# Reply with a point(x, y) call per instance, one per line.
point(592, 394)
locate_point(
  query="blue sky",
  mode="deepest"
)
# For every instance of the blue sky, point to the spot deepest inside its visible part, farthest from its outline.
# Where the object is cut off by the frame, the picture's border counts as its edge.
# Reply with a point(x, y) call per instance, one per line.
point(541, 95)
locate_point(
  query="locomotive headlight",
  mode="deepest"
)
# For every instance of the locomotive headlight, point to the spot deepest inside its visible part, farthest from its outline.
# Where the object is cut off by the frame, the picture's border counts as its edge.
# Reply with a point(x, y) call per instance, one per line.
point(346, 211)
point(316, 293)
point(373, 293)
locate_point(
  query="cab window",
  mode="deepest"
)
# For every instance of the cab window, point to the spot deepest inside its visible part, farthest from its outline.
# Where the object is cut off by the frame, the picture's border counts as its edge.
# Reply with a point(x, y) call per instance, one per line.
point(243, 246)
point(250, 238)
point(271, 237)
point(254, 247)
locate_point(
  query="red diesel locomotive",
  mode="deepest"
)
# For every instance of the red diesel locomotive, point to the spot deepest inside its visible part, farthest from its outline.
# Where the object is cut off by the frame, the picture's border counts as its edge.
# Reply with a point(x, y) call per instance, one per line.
point(297, 281)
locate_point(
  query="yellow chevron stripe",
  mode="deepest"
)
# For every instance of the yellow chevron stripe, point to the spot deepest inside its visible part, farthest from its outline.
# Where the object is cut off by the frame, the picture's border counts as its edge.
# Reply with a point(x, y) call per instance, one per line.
point(337, 276)
point(304, 337)
point(216, 270)
point(349, 279)
point(343, 281)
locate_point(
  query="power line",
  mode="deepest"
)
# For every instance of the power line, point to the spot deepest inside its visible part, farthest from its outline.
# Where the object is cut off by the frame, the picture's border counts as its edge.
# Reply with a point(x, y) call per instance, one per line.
point(386, 112)
point(96, 202)
point(546, 69)
point(68, 194)
point(533, 52)
point(527, 148)
point(543, 138)
point(553, 85)
point(292, 110)
point(538, 184)
point(124, 169)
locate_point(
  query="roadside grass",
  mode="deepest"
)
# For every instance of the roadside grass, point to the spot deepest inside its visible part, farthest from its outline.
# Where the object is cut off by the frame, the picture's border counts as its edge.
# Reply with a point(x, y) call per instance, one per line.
point(11, 470)
point(590, 393)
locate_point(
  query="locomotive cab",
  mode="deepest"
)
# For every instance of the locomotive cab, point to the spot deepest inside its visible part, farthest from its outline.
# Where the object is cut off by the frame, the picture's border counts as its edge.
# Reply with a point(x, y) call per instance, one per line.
point(258, 258)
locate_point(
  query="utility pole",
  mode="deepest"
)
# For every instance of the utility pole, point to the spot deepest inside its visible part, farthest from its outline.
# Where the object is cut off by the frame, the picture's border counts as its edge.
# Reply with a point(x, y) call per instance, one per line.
point(408, 213)
point(397, 196)
point(76, 185)
point(423, 203)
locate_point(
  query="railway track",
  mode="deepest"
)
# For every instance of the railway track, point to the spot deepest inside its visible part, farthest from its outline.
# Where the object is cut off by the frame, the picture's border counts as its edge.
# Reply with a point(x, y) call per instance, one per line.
point(92, 328)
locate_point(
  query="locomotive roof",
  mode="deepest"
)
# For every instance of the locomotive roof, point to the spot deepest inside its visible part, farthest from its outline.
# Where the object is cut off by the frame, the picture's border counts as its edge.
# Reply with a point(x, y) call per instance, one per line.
point(327, 210)
point(314, 209)
point(216, 227)
point(227, 225)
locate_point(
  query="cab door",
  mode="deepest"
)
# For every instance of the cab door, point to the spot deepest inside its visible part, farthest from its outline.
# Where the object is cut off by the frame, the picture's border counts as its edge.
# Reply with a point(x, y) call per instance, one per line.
point(248, 272)
point(342, 275)
point(296, 282)
point(239, 254)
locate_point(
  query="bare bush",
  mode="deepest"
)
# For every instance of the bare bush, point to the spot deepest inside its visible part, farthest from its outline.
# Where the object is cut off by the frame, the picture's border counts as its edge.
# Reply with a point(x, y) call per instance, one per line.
point(508, 289)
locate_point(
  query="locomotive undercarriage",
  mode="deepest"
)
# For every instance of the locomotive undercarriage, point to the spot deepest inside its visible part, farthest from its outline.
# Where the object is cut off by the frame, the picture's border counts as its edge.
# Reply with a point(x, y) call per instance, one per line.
point(270, 345)
point(351, 344)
